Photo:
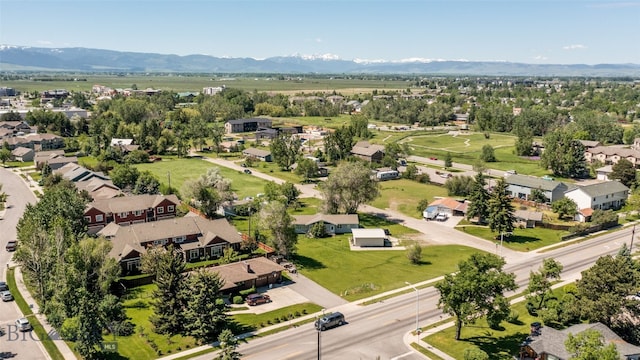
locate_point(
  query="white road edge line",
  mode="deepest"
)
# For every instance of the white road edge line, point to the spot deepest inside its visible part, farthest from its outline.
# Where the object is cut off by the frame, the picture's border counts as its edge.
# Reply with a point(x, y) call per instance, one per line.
point(401, 356)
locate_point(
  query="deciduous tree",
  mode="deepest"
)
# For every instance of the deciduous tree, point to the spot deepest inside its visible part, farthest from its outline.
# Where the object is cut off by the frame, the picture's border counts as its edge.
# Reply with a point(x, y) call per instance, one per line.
point(274, 217)
point(564, 207)
point(285, 149)
point(350, 185)
point(476, 290)
point(590, 345)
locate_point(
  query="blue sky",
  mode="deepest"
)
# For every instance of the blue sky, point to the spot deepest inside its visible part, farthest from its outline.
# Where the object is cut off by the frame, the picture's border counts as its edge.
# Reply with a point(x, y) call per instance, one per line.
point(541, 31)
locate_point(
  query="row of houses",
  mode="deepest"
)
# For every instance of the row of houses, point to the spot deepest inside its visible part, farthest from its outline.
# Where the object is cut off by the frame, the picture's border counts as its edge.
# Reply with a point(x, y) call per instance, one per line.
point(98, 185)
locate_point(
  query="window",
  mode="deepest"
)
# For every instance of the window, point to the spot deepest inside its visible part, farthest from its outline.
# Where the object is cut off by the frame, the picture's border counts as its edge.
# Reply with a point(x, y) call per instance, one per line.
point(193, 254)
point(339, 226)
point(160, 209)
point(99, 217)
point(123, 215)
point(170, 208)
point(87, 219)
point(179, 239)
point(160, 242)
point(138, 212)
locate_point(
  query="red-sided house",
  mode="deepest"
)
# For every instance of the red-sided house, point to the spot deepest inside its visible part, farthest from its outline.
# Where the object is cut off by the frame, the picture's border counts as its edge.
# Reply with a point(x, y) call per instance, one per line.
point(128, 210)
point(195, 236)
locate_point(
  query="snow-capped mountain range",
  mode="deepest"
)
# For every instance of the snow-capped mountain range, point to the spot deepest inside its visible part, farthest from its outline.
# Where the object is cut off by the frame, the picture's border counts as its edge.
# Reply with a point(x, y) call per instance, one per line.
point(23, 58)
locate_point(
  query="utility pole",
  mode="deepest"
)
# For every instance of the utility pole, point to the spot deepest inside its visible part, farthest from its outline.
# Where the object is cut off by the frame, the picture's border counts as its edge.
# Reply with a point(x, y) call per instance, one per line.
point(169, 176)
point(633, 233)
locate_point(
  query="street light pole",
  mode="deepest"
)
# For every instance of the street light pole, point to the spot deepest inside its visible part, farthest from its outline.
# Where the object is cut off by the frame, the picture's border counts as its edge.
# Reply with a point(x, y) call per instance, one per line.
point(417, 306)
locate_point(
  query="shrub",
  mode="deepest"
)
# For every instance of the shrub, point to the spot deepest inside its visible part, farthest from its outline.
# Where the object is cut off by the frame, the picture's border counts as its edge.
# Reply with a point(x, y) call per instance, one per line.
point(69, 329)
point(317, 230)
point(474, 353)
point(513, 317)
point(126, 328)
point(244, 293)
point(238, 299)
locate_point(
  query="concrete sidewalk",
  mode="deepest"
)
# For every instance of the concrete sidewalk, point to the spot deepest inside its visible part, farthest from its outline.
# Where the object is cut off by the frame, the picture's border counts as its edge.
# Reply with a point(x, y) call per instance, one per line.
point(51, 332)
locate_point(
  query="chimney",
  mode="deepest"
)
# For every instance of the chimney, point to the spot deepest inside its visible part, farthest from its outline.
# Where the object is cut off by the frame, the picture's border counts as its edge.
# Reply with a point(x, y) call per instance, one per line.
point(247, 266)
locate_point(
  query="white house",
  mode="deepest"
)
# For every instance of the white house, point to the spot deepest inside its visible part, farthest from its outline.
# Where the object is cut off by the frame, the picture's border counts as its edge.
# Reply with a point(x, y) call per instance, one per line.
point(604, 172)
point(368, 237)
point(604, 195)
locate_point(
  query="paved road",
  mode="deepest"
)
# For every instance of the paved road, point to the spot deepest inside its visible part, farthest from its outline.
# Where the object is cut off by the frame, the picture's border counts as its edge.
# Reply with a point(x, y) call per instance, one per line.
point(12, 344)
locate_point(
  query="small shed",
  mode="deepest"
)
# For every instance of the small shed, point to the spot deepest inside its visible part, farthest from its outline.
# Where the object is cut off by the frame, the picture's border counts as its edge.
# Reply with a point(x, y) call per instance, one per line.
point(368, 237)
point(528, 219)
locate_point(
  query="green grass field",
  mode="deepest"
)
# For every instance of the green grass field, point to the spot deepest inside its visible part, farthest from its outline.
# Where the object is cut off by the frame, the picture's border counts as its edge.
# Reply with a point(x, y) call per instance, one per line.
point(403, 195)
point(180, 170)
point(358, 274)
point(521, 240)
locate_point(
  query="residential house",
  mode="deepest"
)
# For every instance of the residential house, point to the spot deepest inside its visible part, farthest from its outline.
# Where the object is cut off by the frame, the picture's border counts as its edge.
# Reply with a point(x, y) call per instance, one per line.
point(195, 236)
point(590, 144)
point(125, 145)
point(547, 343)
point(59, 161)
point(242, 275)
point(38, 142)
point(528, 219)
point(99, 189)
point(22, 154)
point(41, 157)
point(14, 128)
point(126, 210)
point(333, 224)
point(447, 205)
point(605, 195)
point(521, 187)
point(369, 237)
point(604, 172)
point(246, 125)
point(75, 173)
point(262, 155)
point(610, 155)
point(368, 152)
point(266, 134)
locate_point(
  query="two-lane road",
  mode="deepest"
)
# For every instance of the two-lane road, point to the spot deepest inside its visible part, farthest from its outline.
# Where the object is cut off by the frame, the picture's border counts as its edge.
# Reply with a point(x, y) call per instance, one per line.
point(14, 345)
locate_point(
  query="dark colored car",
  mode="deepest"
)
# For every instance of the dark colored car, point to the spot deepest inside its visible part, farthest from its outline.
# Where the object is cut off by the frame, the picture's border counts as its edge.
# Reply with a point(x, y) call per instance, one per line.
point(329, 321)
point(11, 245)
point(247, 171)
point(257, 299)
point(3, 286)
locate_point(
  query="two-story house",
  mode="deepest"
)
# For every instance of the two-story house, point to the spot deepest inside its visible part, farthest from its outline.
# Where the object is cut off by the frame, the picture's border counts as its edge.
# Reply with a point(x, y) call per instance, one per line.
point(246, 125)
point(195, 236)
point(605, 195)
point(368, 152)
point(126, 210)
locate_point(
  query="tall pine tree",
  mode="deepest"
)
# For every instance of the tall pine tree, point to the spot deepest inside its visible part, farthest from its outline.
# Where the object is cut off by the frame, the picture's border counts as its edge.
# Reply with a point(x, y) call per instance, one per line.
point(204, 315)
point(169, 302)
point(479, 197)
point(501, 210)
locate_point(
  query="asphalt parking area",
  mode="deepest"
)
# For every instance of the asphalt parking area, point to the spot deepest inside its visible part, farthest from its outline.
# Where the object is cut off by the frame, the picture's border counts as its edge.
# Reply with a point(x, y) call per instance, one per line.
point(281, 296)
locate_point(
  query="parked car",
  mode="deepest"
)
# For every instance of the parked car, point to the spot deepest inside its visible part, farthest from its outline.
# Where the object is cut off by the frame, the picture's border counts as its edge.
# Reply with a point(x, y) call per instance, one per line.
point(23, 324)
point(243, 165)
point(510, 172)
point(3, 286)
point(257, 299)
point(441, 217)
point(12, 245)
point(329, 321)
point(247, 171)
point(6, 295)
point(445, 175)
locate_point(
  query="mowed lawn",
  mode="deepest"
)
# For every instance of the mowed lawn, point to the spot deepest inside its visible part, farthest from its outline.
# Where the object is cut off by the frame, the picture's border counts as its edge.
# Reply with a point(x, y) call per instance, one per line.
point(358, 274)
point(138, 306)
point(521, 240)
point(462, 143)
point(184, 169)
point(404, 195)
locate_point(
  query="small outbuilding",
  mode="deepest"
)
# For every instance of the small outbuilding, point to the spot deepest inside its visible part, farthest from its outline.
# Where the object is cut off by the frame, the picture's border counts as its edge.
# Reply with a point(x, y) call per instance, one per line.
point(369, 237)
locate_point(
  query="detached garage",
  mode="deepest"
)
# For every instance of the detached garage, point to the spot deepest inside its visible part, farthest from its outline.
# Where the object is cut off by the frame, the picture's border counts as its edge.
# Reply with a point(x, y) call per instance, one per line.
point(368, 237)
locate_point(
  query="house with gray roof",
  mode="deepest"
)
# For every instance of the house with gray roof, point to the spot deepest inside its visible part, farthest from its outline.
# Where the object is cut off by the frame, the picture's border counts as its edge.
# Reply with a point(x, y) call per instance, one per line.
point(603, 196)
point(521, 186)
point(22, 154)
point(610, 155)
point(241, 275)
point(333, 224)
point(246, 125)
point(195, 236)
point(259, 154)
point(368, 152)
point(548, 343)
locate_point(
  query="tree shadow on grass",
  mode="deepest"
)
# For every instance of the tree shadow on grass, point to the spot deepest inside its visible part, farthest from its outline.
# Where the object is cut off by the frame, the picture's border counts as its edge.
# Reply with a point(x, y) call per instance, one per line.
point(520, 239)
point(498, 347)
point(308, 263)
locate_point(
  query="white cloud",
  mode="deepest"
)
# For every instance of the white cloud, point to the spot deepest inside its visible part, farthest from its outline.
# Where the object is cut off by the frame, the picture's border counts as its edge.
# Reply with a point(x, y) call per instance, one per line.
point(44, 42)
point(574, 47)
point(540, 57)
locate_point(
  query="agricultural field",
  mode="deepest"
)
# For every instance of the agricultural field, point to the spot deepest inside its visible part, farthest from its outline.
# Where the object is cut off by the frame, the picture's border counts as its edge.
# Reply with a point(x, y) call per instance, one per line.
point(195, 83)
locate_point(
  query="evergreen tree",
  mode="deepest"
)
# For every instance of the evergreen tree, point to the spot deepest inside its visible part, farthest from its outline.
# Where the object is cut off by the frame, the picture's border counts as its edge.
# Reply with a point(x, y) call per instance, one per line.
point(479, 197)
point(448, 162)
point(228, 345)
point(501, 211)
point(204, 313)
point(169, 304)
